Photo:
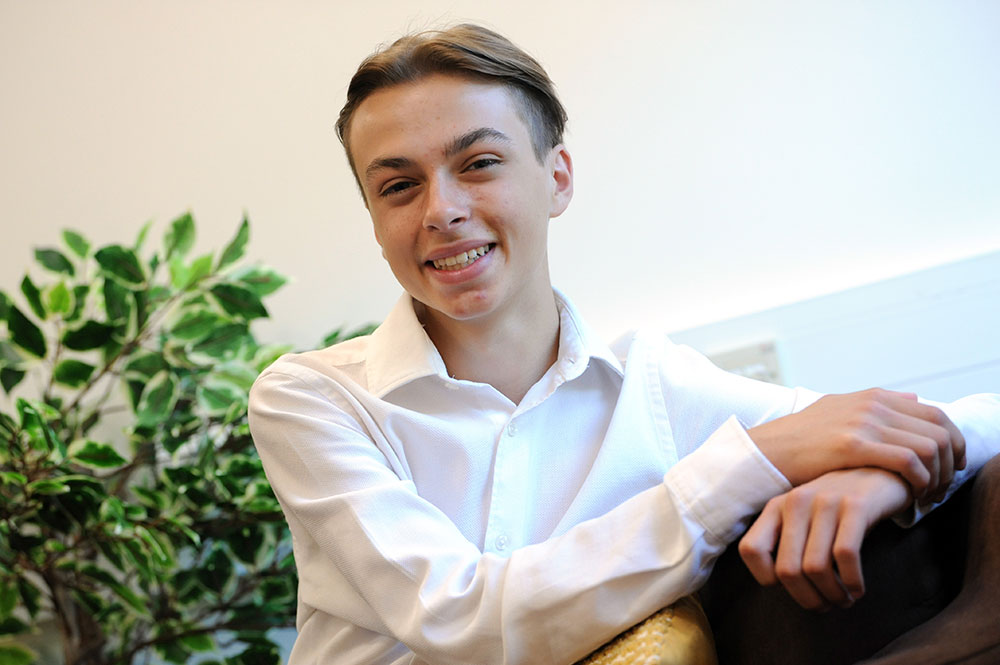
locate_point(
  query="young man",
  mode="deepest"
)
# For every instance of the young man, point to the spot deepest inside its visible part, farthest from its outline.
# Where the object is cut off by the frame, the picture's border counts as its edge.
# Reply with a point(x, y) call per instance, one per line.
point(481, 480)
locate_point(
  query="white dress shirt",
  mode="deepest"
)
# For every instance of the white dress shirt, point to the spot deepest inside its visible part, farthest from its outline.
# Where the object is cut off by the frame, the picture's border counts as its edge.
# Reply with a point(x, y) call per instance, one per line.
point(435, 521)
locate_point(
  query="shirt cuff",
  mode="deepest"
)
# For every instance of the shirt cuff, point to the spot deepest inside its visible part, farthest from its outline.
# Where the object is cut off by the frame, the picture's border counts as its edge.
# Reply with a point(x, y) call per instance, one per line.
point(725, 482)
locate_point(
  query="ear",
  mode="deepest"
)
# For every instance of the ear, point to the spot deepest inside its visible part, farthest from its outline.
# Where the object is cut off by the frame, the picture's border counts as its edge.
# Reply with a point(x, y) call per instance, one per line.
point(562, 180)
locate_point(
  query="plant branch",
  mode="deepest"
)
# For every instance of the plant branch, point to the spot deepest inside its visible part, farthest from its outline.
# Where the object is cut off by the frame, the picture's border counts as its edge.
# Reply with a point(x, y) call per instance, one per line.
point(231, 625)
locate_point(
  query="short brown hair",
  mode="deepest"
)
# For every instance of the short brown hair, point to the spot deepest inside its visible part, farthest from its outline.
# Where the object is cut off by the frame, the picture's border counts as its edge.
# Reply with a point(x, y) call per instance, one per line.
point(465, 50)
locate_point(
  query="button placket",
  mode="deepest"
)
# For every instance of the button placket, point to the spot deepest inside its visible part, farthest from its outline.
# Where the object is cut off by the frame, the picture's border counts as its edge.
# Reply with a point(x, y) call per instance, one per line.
point(497, 538)
point(508, 494)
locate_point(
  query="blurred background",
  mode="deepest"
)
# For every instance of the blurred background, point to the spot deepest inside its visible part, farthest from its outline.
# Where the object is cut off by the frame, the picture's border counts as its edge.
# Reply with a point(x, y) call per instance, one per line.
point(730, 157)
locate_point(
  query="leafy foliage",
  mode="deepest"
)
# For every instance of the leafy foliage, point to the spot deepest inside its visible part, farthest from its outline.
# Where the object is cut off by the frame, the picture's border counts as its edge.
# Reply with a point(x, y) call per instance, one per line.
point(164, 537)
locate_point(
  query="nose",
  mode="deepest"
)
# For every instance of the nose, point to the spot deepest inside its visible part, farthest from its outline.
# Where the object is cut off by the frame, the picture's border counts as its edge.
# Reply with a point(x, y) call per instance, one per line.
point(445, 204)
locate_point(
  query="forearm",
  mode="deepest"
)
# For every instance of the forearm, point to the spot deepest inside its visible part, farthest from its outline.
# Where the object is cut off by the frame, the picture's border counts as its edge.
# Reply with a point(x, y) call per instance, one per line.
point(450, 603)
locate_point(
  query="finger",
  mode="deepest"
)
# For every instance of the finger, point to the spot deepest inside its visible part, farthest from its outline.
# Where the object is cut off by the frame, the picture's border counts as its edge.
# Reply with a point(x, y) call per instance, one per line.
point(847, 552)
point(899, 459)
point(758, 544)
point(791, 546)
point(934, 453)
point(946, 455)
point(958, 442)
point(898, 419)
point(930, 423)
point(817, 559)
point(935, 417)
point(933, 414)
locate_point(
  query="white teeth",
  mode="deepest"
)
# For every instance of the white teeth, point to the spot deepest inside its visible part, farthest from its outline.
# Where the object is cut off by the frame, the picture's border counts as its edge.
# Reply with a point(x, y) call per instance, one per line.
point(461, 260)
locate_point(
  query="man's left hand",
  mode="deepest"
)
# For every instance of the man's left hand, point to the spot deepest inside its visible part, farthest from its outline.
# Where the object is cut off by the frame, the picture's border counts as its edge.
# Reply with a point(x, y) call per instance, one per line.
point(809, 539)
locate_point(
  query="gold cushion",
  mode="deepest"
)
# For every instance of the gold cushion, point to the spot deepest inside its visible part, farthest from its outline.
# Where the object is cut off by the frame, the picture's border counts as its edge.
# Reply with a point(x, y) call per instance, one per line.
point(676, 635)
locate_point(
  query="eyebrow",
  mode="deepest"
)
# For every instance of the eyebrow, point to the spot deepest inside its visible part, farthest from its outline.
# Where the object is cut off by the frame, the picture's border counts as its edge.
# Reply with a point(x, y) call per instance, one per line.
point(456, 146)
point(386, 163)
point(475, 136)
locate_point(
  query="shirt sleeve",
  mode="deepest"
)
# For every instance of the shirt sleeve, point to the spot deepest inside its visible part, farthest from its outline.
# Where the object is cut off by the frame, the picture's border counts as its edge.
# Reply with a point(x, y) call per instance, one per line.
point(696, 387)
point(369, 549)
point(978, 419)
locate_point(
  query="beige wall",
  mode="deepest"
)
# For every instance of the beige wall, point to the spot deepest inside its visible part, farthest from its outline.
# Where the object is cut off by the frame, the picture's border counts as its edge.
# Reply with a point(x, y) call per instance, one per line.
point(730, 155)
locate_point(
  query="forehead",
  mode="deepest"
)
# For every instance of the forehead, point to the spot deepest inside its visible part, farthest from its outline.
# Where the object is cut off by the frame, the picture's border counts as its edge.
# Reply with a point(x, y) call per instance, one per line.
point(423, 116)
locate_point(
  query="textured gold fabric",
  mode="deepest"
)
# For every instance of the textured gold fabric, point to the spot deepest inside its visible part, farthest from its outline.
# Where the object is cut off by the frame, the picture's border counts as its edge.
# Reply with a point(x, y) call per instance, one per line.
point(676, 635)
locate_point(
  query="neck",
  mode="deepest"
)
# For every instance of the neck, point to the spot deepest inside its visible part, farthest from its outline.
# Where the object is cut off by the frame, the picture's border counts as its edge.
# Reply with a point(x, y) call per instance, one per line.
point(511, 353)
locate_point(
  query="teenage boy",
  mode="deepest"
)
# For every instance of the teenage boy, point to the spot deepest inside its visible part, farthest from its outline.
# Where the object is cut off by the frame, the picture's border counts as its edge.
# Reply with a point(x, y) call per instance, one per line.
point(482, 480)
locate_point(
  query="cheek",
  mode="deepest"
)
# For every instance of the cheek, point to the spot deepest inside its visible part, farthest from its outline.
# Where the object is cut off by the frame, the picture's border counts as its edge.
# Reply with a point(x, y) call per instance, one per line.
point(399, 249)
point(391, 234)
point(392, 250)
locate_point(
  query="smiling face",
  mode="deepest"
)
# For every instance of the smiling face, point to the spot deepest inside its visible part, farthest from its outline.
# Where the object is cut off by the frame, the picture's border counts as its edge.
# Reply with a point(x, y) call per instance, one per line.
point(459, 201)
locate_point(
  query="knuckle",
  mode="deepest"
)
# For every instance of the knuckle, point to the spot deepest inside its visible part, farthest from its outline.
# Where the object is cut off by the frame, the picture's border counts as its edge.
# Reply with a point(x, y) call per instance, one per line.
point(749, 550)
point(774, 504)
point(878, 409)
point(926, 450)
point(915, 471)
point(921, 479)
point(845, 554)
point(814, 567)
point(936, 415)
point(827, 502)
point(875, 393)
point(849, 442)
point(799, 499)
point(788, 572)
point(851, 503)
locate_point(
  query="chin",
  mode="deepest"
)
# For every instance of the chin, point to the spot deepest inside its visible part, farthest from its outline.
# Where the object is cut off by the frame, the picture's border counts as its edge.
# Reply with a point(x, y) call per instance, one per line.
point(467, 308)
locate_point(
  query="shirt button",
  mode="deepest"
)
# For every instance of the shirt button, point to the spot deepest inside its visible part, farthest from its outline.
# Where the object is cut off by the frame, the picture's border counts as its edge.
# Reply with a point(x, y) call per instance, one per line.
point(501, 542)
point(511, 429)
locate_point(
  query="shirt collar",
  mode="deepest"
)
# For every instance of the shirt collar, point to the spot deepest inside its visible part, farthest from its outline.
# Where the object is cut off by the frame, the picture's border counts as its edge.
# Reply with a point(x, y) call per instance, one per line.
point(577, 340)
point(400, 351)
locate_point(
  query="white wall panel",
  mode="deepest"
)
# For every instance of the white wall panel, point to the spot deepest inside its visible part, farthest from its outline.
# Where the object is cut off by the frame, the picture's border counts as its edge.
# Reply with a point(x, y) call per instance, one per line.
point(935, 332)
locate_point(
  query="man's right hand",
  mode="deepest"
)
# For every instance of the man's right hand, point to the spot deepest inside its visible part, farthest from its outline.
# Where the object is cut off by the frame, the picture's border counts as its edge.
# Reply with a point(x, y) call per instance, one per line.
point(874, 428)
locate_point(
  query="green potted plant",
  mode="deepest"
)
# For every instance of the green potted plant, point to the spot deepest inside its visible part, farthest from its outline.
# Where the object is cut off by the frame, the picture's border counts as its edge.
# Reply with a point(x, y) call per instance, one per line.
point(134, 512)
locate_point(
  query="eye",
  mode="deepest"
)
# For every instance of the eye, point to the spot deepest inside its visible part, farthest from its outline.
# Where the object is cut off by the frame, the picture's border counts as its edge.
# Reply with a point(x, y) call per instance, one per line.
point(482, 163)
point(396, 187)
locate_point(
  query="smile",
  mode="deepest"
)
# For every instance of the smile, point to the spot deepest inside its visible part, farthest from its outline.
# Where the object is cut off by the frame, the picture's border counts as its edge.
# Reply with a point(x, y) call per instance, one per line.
point(462, 259)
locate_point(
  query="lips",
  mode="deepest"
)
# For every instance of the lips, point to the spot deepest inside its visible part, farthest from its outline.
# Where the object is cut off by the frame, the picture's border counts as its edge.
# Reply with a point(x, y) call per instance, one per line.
point(462, 259)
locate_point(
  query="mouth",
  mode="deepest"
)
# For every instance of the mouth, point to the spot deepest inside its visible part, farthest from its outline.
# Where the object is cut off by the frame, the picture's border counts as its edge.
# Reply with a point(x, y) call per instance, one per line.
point(462, 259)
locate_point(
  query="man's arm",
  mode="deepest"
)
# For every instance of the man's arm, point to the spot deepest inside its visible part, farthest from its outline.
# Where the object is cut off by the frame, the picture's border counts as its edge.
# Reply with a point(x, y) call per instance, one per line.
point(375, 554)
point(809, 539)
point(873, 428)
point(805, 435)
